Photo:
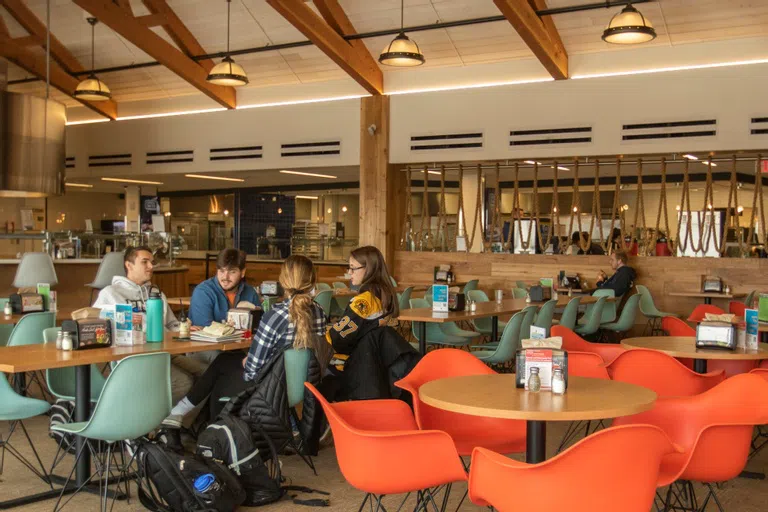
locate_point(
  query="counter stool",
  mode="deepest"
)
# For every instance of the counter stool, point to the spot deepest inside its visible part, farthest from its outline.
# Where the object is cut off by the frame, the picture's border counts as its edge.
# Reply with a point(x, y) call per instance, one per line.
point(111, 266)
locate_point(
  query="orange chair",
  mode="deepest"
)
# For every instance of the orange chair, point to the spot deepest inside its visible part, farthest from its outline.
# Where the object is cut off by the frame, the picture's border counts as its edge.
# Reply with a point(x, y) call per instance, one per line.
point(662, 373)
point(714, 430)
point(676, 327)
point(762, 371)
point(701, 310)
point(615, 469)
point(586, 364)
point(572, 341)
point(763, 364)
point(737, 308)
point(467, 432)
point(381, 451)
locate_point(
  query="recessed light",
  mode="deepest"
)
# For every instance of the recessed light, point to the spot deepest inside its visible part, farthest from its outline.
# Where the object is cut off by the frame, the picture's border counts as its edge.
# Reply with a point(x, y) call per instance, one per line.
point(138, 182)
point(690, 157)
point(306, 197)
point(710, 163)
point(220, 178)
point(299, 173)
point(80, 185)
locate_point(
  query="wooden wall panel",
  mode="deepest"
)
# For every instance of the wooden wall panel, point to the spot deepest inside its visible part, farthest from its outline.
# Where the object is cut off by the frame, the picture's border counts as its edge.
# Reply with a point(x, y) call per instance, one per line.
point(660, 274)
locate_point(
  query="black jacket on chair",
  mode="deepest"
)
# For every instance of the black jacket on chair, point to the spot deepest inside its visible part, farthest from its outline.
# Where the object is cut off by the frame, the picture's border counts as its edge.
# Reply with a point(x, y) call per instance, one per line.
point(264, 405)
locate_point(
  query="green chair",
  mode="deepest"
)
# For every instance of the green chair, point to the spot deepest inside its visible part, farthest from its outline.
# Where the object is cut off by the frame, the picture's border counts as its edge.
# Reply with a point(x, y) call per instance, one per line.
point(5, 330)
point(452, 329)
point(296, 367)
point(339, 304)
point(268, 302)
point(135, 400)
point(428, 295)
point(435, 335)
point(519, 293)
point(570, 313)
point(505, 350)
point(61, 381)
point(471, 285)
point(525, 328)
point(324, 299)
point(545, 315)
point(521, 285)
point(339, 285)
point(29, 331)
point(626, 319)
point(609, 307)
point(748, 300)
point(591, 320)
point(392, 280)
point(321, 287)
point(649, 310)
point(15, 408)
point(484, 325)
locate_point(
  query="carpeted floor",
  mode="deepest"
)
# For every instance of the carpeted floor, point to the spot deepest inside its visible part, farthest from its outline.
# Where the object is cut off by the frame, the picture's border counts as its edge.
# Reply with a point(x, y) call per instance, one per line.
point(740, 495)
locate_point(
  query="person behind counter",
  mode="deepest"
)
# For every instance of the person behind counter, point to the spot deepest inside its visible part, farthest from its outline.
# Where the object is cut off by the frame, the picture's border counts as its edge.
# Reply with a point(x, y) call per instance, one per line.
point(214, 297)
point(593, 249)
point(622, 279)
point(134, 289)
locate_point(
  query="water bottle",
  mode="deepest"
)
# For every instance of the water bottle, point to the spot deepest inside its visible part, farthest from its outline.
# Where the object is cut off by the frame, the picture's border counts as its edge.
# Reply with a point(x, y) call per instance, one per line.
point(155, 317)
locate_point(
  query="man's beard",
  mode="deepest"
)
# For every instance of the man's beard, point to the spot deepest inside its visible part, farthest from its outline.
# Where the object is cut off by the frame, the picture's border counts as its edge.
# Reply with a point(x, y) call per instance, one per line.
point(231, 286)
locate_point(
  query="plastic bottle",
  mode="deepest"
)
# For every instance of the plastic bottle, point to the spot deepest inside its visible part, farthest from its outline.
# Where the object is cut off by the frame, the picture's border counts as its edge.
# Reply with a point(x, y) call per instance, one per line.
point(155, 308)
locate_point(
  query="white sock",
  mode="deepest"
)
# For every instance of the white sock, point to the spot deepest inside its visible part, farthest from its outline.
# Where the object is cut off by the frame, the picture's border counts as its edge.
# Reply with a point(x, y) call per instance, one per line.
point(183, 408)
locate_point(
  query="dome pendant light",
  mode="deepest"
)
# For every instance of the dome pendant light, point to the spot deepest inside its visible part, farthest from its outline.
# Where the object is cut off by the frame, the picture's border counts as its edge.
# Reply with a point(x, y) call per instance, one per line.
point(402, 52)
point(92, 89)
point(227, 72)
point(629, 27)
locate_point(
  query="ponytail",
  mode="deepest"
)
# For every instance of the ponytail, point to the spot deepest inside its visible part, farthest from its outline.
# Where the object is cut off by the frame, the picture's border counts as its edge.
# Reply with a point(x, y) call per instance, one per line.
point(301, 314)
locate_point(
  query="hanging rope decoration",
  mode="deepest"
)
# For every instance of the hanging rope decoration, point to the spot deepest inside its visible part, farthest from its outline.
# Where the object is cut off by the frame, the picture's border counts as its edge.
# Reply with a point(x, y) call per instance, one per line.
point(733, 195)
point(555, 213)
point(685, 208)
point(407, 221)
point(471, 239)
point(710, 233)
point(639, 210)
point(496, 213)
point(596, 217)
point(576, 207)
point(758, 195)
point(442, 222)
point(515, 208)
point(615, 210)
point(663, 205)
point(525, 243)
point(424, 213)
point(478, 208)
point(543, 242)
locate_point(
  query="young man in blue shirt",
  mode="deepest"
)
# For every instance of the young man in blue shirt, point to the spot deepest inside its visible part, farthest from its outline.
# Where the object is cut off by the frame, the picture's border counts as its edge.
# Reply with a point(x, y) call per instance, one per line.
point(215, 296)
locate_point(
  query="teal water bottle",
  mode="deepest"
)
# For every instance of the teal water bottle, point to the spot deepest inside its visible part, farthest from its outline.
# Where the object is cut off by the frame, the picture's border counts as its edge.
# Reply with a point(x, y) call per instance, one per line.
point(155, 317)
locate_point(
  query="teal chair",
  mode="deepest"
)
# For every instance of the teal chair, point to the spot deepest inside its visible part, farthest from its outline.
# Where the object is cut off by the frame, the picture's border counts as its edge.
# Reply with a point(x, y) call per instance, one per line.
point(471, 285)
point(521, 285)
point(428, 295)
point(545, 315)
point(5, 330)
point(525, 328)
point(452, 329)
point(609, 307)
point(61, 381)
point(435, 335)
point(626, 319)
point(135, 400)
point(590, 322)
point(650, 311)
point(484, 325)
point(29, 331)
point(296, 367)
point(519, 293)
point(570, 313)
point(504, 352)
point(392, 280)
point(339, 304)
point(747, 300)
point(339, 285)
point(15, 408)
point(325, 299)
point(321, 287)
point(268, 302)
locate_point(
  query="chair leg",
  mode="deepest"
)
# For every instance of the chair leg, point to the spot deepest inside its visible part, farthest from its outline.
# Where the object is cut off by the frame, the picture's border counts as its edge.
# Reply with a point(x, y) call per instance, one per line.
point(5, 445)
point(714, 496)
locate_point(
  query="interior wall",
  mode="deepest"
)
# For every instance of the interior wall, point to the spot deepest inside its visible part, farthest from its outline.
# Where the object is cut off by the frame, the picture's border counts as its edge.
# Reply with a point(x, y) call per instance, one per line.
point(79, 206)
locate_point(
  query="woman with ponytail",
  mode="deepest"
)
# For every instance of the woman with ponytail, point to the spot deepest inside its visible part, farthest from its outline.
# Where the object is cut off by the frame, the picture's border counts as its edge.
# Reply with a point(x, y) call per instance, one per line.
point(297, 322)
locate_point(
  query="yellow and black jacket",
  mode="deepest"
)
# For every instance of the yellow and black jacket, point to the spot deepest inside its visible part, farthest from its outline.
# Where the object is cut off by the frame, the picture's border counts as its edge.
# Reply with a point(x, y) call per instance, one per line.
point(360, 317)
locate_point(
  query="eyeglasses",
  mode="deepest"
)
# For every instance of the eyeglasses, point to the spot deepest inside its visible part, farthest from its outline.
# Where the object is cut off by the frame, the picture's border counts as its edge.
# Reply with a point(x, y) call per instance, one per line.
point(352, 269)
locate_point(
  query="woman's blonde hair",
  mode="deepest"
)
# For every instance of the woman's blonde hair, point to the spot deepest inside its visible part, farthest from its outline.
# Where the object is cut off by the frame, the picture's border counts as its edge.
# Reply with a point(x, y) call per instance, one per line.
point(298, 277)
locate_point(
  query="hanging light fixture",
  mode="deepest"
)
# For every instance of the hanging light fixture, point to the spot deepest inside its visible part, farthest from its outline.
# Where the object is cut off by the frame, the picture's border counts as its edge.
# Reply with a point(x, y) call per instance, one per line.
point(92, 89)
point(227, 72)
point(629, 27)
point(402, 52)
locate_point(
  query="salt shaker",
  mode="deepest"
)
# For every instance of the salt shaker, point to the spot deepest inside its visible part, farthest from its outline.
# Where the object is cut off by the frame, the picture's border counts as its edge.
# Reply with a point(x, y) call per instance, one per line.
point(184, 329)
point(66, 341)
point(472, 306)
point(558, 382)
point(59, 339)
point(534, 381)
point(7, 309)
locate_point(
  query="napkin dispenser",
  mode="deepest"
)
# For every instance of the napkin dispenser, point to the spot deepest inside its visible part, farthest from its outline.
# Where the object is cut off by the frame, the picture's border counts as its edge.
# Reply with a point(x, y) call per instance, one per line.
point(546, 359)
point(270, 288)
point(89, 333)
point(456, 301)
point(715, 335)
point(245, 319)
point(712, 284)
point(573, 282)
point(26, 303)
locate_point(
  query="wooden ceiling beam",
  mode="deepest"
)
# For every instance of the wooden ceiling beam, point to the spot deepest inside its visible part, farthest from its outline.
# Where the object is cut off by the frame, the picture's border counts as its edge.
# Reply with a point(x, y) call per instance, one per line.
point(540, 35)
point(29, 41)
point(36, 28)
point(125, 4)
point(34, 63)
point(152, 20)
point(334, 15)
point(358, 64)
point(158, 48)
point(178, 31)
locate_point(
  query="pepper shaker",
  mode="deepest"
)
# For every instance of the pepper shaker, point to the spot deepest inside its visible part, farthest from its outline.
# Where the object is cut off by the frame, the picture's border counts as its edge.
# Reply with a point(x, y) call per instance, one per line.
point(7, 309)
point(534, 381)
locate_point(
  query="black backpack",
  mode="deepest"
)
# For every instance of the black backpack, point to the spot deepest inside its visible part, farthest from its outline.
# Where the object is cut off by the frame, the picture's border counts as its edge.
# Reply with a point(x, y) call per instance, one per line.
point(229, 440)
point(169, 482)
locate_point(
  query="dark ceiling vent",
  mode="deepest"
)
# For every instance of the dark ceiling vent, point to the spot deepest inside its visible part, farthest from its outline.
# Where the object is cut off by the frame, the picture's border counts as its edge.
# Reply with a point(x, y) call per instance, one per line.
point(669, 130)
point(759, 125)
point(170, 157)
point(69, 162)
point(551, 136)
point(236, 153)
point(120, 160)
point(447, 141)
point(311, 148)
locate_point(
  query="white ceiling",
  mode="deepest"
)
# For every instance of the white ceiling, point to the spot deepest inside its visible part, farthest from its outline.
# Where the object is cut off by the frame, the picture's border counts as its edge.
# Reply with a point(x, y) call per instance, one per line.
point(255, 23)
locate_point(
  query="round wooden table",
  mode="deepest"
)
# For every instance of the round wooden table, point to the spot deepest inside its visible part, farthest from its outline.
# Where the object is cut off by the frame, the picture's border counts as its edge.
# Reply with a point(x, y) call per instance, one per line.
point(496, 396)
point(685, 346)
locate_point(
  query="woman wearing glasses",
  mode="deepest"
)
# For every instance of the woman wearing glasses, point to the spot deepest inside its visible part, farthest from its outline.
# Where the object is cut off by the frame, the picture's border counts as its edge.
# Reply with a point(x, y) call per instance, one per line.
point(368, 353)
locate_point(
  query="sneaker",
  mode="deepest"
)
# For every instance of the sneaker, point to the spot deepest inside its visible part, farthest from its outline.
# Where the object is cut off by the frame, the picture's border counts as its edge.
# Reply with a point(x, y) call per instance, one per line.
point(170, 438)
point(173, 421)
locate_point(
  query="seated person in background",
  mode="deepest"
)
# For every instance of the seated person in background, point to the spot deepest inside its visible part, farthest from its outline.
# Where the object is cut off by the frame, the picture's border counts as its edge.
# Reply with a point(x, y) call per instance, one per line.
point(298, 322)
point(574, 247)
point(215, 296)
point(134, 289)
point(621, 281)
point(593, 249)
